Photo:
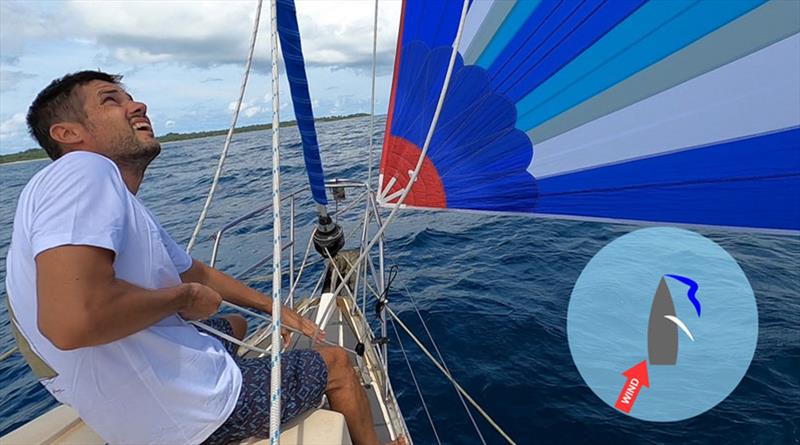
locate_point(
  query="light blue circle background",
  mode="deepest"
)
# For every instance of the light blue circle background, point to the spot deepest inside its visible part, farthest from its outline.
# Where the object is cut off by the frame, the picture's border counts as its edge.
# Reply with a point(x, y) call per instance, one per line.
point(609, 312)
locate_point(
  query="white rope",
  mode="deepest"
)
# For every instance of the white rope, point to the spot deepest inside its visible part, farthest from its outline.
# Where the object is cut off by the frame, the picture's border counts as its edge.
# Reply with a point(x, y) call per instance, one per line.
point(275, 385)
point(423, 153)
point(229, 136)
point(450, 377)
point(225, 336)
point(238, 342)
point(372, 103)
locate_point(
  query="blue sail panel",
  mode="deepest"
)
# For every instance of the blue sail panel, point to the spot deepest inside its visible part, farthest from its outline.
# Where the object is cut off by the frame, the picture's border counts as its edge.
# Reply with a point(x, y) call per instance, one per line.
point(751, 183)
point(292, 51)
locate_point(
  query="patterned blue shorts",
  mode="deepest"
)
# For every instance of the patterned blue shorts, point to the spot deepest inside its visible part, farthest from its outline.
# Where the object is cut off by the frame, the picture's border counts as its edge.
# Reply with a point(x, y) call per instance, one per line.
point(304, 377)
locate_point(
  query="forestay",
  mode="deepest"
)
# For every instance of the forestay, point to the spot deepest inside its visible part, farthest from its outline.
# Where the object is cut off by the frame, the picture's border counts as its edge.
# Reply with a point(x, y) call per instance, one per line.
point(670, 112)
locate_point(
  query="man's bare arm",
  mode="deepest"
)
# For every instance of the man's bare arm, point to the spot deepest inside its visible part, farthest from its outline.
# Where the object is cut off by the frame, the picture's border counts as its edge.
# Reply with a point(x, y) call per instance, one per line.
point(82, 303)
point(240, 294)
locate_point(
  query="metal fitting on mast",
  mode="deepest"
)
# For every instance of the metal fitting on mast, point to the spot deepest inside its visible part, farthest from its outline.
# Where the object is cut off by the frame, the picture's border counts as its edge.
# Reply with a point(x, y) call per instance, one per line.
point(329, 236)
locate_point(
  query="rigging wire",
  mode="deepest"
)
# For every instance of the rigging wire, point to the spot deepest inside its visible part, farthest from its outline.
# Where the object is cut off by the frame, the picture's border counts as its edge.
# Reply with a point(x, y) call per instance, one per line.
point(441, 359)
point(393, 271)
point(372, 102)
point(229, 136)
point(416, 384)
point(303, 265)
point(450, 377)
point(382, 298)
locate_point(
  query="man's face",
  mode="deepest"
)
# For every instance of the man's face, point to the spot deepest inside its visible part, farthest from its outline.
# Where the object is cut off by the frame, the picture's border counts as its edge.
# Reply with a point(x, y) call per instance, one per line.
point(117, 125)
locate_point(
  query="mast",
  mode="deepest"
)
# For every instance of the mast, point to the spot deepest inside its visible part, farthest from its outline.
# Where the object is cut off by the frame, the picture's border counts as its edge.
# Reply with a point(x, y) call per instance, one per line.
point(275, 385)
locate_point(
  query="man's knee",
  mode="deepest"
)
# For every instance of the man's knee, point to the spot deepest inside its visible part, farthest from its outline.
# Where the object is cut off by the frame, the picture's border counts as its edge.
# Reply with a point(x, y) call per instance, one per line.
point(335, 357)
point(238, 325)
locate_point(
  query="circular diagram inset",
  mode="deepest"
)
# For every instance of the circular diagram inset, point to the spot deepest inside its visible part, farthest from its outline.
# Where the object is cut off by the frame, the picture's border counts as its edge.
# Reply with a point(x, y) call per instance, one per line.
point(662, 324)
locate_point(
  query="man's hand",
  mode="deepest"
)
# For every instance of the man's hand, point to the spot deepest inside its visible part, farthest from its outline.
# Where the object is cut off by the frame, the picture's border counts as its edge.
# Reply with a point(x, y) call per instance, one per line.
point(238, 293)
point(304, 325)
point(201, 302)
point(298, 323)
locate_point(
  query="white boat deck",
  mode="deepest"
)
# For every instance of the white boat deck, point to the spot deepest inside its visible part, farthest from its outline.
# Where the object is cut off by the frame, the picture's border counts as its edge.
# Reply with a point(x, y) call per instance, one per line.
point(62, 426)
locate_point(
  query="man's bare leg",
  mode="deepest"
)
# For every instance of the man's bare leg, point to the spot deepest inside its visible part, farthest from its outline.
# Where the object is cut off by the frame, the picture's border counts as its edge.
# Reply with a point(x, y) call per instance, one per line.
point(238, 325)
point(346, 395)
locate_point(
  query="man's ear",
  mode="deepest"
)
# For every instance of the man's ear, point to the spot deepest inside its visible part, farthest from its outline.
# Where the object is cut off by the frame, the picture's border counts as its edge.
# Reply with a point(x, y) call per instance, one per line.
point(67, 133)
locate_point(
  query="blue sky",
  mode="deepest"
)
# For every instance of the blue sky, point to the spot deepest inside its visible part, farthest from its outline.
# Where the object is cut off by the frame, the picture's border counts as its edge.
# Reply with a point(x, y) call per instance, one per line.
point(185, 59)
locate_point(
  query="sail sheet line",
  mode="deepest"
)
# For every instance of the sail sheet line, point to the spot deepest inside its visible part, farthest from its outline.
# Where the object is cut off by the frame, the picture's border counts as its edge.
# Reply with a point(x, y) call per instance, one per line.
point(441, 359)
point(449, 377)
point(416, 384)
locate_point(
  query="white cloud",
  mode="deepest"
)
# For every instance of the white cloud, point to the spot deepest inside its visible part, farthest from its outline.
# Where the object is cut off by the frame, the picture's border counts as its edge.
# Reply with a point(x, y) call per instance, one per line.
point(169, 123)
point(10, 79)
point(203, 33)
point(13, 126)
point(185, 58)
point(248, 109)
point(245, 105)
point(21, 24)
point(251, 111)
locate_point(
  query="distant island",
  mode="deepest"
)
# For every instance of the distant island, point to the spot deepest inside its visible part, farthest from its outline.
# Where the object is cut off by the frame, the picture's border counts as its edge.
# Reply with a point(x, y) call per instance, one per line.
point(38, 153)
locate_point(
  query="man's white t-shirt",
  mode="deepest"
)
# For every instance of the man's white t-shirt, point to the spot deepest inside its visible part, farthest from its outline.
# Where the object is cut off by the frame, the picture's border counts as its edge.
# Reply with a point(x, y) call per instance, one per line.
point(166, 384)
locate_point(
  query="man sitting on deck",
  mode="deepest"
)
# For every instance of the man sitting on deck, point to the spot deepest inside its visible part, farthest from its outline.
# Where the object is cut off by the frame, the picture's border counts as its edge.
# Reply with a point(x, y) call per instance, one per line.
point(102, 293)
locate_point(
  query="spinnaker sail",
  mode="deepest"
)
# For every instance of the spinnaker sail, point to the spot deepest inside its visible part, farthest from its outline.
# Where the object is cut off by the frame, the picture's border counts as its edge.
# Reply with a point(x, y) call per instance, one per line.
point(681, 112)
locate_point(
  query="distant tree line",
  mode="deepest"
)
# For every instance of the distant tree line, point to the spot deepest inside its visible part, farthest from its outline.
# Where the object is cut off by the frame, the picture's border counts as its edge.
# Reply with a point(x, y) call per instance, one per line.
point(27, 155)
point(38, 153)
point(171, 137)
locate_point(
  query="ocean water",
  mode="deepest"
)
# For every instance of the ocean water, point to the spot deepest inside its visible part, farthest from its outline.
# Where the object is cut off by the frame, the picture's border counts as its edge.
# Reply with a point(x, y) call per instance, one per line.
point(493, 291)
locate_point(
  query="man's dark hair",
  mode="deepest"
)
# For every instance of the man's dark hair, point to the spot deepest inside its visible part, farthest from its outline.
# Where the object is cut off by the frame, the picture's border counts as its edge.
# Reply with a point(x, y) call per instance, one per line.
point(59, 102)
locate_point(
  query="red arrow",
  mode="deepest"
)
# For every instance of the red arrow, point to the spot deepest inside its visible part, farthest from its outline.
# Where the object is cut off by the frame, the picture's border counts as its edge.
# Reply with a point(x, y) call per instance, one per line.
point(637, 377)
